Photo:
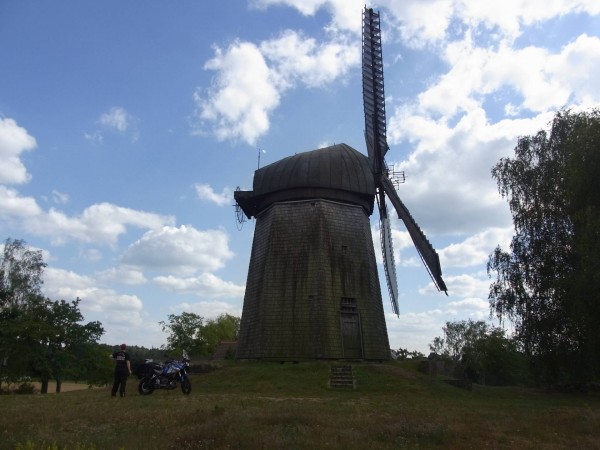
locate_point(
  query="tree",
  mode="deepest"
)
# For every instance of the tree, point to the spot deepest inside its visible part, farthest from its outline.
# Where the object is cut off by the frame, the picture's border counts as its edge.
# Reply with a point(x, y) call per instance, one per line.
point(548, 283)
point(480, 353)
point(21, 271)
point(184, 332)
point(188, 331)
point(224, 328)
point(37, 335)
point(64, 333)
point(457, 337)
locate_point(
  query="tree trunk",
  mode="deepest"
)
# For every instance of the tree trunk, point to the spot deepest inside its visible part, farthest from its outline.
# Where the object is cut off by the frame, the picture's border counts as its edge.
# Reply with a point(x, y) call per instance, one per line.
point(44, 388)
point(58, 386)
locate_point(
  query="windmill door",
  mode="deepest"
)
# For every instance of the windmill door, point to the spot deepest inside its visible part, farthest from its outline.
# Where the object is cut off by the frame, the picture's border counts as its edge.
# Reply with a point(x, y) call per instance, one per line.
point(351, 336)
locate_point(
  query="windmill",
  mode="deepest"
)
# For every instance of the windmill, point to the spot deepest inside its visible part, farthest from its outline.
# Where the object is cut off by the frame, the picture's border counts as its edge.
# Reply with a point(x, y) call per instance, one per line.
point(312, 290)
point(375, 136)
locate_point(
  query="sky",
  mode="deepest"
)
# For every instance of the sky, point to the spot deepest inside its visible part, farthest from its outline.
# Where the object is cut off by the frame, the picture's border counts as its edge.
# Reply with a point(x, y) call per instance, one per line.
point(125, 128)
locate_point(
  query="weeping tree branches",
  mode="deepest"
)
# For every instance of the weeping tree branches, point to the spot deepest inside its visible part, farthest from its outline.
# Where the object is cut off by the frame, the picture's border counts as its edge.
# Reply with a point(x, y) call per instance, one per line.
point(548, 282)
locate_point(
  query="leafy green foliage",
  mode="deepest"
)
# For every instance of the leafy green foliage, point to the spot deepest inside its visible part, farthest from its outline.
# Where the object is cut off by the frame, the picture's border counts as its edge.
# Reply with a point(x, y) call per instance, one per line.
point(38, 336)
point(548, 284)
point(480, 353)
point(190, 332)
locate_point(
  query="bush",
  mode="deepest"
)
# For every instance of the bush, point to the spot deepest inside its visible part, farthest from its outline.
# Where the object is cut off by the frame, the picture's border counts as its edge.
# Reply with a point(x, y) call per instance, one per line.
point(25, 388)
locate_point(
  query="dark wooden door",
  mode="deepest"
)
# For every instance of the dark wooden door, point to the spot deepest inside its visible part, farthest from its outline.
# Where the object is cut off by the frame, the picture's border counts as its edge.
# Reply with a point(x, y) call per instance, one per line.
point(351, 336)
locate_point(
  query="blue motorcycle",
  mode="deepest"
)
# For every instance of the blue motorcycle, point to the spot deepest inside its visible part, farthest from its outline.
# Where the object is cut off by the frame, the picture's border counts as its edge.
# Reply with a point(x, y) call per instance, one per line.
point(166, 376)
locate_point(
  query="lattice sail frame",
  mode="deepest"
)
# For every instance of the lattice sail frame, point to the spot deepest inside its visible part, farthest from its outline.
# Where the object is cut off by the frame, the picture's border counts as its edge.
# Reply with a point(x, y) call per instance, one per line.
point(377, 147)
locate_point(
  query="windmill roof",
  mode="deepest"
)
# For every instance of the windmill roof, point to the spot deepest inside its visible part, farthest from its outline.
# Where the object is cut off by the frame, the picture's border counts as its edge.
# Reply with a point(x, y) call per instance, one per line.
point(336, 167)
point(338, 172)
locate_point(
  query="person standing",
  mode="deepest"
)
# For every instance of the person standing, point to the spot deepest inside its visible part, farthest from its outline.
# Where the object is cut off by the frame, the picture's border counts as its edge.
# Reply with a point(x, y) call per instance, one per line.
point(122, 370)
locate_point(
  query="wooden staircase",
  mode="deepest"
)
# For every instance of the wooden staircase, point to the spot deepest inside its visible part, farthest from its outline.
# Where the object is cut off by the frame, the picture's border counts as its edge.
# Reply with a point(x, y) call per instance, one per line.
point(342, 377)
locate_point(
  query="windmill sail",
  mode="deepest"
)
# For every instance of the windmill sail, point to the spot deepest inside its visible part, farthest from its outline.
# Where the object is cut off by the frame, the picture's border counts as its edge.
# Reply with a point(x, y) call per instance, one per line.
point(426, 251)
point(389, 265)
point(373, 92)
point(375, 135)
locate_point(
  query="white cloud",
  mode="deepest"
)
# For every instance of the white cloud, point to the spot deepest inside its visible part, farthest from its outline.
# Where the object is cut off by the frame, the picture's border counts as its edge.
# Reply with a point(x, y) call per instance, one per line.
point(345, 14)
point(208, 310)
point(14, 140)
point(121, 315)
point(207, 193)
point(243, 94)
point(60, 197)
point(116, 118)
point(415, 330)
point(475, 249)
point(251, 79)
point(205, 284)
point(14, 206)
point(297, 59)
point(99, 223)
point(184, 250)
point(122, 274)
point(449, 188)
point(464, 286)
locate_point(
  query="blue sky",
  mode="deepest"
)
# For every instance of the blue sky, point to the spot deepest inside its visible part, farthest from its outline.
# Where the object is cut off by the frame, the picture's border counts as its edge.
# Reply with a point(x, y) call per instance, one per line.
point(126, 126)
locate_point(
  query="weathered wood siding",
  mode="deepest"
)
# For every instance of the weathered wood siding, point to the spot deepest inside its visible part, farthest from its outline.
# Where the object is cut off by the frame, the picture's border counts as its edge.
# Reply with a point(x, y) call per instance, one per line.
point(308, 257)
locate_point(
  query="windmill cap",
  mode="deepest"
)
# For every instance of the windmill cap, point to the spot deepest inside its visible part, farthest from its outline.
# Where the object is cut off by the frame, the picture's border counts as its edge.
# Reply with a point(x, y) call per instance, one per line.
point(338, 172)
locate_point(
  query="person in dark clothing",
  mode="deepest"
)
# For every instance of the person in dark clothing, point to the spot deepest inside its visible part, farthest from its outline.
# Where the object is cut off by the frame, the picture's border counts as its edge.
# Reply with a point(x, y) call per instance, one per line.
point(122, 370)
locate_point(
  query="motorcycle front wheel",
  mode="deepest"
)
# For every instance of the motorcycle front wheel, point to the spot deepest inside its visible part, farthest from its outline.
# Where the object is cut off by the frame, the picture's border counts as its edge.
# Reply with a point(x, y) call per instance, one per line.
point(145, 387)
point(186, 386)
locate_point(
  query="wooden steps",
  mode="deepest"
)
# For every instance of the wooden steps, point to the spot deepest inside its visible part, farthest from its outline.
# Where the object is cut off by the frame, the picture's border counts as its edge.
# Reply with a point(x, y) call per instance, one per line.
point(342, 377)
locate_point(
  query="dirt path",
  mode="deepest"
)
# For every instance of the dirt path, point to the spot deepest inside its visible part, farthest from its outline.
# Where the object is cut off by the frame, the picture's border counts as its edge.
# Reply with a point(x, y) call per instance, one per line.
point(66, 386)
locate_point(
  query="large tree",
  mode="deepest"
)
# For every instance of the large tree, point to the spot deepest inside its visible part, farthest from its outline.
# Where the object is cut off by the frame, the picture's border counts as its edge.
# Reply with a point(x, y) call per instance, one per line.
point(189, 331)
point(38, 336)
point(548, 282)
point(21, 270)
point(58, 338)
point(480, 352)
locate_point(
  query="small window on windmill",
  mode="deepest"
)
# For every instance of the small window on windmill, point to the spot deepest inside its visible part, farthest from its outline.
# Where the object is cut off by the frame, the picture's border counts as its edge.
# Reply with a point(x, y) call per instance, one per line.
point(348, 305)
point(344, 249)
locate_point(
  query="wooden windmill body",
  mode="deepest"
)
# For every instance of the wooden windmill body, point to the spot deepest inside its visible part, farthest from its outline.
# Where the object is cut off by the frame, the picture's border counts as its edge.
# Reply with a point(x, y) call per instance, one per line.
point(313, 288)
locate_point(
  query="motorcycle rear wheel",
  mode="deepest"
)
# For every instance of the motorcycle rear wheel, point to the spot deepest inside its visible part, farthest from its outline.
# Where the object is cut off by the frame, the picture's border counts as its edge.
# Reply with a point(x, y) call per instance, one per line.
point(144, 387)
point(186, 386)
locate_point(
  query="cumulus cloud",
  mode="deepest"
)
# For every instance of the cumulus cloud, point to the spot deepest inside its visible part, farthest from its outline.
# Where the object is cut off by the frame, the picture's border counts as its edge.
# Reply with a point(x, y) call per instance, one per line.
point(122, 275)
point(205, 285)
point(238, 104)
point(475, 249)
point(449, 188)
point(345, 14)
point(14, 140)
point(15, 206)
point(208, 310)
point(252, 78)
point(415, 330)
point(298, 59)
point(206, 192)
point(422, 22)
point(103, 222)
point(122, 315)
point(184, 250)
point(542, 79)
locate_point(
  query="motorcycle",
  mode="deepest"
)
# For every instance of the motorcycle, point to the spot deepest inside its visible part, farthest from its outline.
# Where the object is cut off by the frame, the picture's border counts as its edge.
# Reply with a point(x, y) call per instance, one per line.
point(166, 376)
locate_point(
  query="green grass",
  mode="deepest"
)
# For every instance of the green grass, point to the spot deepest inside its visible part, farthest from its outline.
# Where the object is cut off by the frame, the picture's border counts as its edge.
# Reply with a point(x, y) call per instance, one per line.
point(270, 405)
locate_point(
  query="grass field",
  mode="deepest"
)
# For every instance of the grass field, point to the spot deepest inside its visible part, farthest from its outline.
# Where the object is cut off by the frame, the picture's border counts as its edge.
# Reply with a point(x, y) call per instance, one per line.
point(277, 406)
